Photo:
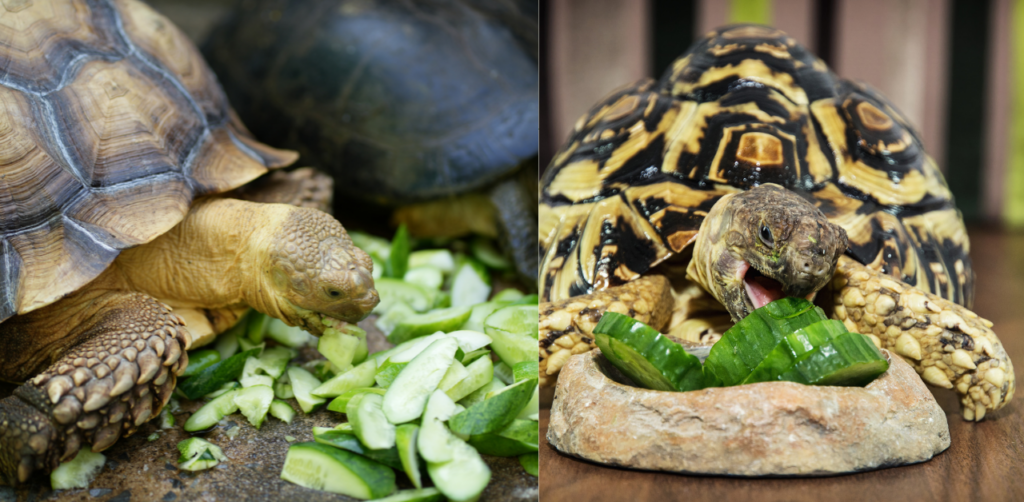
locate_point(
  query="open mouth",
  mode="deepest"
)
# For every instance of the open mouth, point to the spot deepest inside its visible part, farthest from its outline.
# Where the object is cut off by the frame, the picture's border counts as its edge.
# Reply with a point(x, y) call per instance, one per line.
point(761, 289)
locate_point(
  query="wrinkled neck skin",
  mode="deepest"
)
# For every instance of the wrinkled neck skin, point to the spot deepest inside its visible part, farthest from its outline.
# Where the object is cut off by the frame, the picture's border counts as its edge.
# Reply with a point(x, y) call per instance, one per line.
point(761, 245)
point(295, 264)
point(212, 259)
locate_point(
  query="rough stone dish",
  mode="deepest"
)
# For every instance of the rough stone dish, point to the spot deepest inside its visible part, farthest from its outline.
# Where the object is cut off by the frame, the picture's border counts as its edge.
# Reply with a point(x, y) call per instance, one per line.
point(764, 429)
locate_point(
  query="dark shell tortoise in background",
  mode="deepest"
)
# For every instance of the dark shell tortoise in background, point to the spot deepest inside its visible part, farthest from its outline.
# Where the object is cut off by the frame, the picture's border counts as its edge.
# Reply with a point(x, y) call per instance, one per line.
point(114, 139)
point(751, 172)
point(433, 100)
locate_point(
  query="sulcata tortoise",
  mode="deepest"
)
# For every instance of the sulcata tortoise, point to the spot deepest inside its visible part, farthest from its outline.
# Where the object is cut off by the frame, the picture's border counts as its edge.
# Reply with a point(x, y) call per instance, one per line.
point(750, 172)
point(432, 101)
point(113, 131)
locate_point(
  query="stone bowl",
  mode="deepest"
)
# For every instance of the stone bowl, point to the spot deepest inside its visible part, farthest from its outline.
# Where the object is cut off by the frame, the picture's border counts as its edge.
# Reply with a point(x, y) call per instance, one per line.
point(763, 429)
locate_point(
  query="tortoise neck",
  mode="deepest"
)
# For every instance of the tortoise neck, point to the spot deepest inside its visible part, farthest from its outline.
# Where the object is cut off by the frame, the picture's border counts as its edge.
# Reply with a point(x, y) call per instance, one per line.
point(213, 258)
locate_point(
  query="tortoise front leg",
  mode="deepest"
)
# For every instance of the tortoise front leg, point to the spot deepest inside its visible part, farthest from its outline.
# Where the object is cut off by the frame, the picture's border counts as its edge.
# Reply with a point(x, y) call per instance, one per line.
point(567, 326)
point(118, 375)
point(947, 344)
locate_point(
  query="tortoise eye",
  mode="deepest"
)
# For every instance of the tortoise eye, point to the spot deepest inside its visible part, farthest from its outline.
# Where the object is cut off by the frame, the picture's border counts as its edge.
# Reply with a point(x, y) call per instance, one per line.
point(766, 236)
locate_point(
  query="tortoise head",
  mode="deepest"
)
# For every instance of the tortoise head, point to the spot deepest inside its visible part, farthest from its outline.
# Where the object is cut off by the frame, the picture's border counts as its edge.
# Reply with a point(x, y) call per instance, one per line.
point(315, 271)
point(764, 244)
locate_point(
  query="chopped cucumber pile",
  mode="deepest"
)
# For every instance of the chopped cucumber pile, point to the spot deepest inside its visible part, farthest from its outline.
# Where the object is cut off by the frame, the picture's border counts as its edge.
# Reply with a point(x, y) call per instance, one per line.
point(787, 340)
point(461, 381)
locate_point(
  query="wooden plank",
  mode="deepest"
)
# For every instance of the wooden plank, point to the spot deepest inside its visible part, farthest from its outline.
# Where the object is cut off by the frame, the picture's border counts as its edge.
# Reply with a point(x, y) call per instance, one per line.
point(984, 461)
point(595, 47)
point(900, 47)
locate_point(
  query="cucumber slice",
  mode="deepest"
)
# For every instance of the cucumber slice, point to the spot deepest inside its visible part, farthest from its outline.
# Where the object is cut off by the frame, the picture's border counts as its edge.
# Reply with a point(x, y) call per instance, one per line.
point(338, 347)
point(325, 468)
point(456, 372)
point(497, 446)
point(850, 359)
point(434, 441)
point(322, 369)
point(274, 360)
point(199, 360)
point(496, 412)
point(349, 441)
point(388, 373)
point(479, 314)
point(409, 350)
point(303, 383)
point(397, 313)
point(504, 373)
point(339, 403)
point(360, 376)
point(398, 259)
point(419, 495)
point(415, 326)
point(525, 370)
point(471, 285)
point(362, 352)
point(428, 277)
point(440, 258)
point(470, 340)
point(378, 268)
point(216, 375)
point(480, 394)
point(289, 336)
point(526, 300)
point(407, 396)
point(394, 290)
point(478, 374)
point(257, 326)
point(508, 295)
point(462, 478)
point(368, 421)
point(513, 332)
point(198, 454)
point(254, 403)
point(227, 342)
point(252, 374)
point(530, 463)
point(246, 345)
point(282, 411)
point(283, 388)
point(166, 418)
point(532, 408)
point(473, 356)
point(646, 356)
point(212, 412)
point(792, 346)
point(223, 389)
point(524, 431)
point(78, 472)
point(747, 343)
point(405, 442)
point(483, 249)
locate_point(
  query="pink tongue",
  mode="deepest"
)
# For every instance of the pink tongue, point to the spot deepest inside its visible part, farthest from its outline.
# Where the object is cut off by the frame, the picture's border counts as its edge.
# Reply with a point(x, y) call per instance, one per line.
point(762, 291)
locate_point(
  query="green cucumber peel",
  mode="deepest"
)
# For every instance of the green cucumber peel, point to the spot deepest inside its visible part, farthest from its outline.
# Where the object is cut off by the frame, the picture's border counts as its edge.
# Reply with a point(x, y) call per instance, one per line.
point(415, 326)
point(513, 331)
point(216, 375)
point(496, 412)
point(406, 437)
point(199, 360)
point(355, 378)
point(339, 403)
point(398, 259)
point(530, 463)
point(326, 468)
point(418, 495)
point(387, 373)
point(649, 358)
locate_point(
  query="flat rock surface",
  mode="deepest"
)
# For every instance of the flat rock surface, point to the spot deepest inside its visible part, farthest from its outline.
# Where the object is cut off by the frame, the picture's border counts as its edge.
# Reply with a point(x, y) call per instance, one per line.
point(765, 429)
point(141, 470)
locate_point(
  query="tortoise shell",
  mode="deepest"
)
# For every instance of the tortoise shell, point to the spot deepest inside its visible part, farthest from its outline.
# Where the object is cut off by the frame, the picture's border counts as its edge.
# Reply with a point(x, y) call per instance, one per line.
point(110, 125)
point(403, 100)
point(744, 106)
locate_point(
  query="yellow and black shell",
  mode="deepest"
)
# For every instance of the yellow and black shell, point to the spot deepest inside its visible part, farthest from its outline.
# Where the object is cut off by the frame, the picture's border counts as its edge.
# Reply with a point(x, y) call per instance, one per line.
point(744, 106)
point(110, 125)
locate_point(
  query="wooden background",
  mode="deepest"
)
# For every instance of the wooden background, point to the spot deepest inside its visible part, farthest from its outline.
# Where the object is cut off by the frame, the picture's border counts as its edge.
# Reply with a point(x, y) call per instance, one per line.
point(984, 462)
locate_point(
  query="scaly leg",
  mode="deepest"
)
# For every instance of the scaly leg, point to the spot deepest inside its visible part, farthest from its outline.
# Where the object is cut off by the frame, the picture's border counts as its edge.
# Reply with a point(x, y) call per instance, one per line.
point(112, 365)
point(567, 326)
point(947, 344)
